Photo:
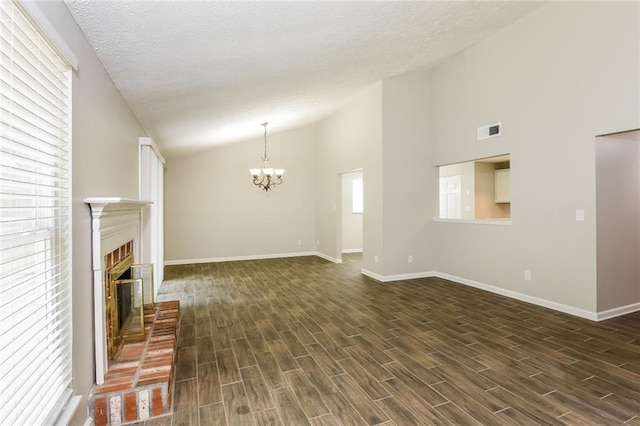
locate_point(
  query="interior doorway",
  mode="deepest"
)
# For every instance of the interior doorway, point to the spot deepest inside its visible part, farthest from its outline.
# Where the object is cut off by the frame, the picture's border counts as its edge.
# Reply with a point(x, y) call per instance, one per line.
point(618, 219)
point(351, 212)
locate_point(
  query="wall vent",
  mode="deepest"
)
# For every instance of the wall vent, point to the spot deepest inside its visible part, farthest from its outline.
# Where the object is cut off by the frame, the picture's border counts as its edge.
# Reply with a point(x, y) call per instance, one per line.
point(486, 132)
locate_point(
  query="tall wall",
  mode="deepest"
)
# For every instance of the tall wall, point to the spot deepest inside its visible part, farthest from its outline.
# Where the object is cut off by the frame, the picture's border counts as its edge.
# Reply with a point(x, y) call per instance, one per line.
point(105, 163)
point(410, 197)
point(555, 79)
point(618, 215)
point(350, 139)
point(213, 210)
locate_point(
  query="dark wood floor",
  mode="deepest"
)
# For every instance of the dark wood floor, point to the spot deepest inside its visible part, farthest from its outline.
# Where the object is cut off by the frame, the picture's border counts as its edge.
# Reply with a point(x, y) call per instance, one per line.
point(303, 341)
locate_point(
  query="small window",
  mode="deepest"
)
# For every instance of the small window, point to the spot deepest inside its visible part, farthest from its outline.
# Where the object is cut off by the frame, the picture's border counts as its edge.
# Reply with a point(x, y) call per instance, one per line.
point(358, 197)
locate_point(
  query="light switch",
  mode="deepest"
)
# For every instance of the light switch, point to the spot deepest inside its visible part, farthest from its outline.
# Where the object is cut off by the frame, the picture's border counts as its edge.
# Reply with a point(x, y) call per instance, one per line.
point(580, 215)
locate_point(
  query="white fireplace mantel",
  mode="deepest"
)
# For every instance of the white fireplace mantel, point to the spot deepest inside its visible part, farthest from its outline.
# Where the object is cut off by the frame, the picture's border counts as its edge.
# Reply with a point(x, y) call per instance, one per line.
point(115, 221)
point(100, 205)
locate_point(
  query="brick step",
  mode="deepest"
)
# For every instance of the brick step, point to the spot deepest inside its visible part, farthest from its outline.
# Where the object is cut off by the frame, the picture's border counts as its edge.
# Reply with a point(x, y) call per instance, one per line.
point(139, 382)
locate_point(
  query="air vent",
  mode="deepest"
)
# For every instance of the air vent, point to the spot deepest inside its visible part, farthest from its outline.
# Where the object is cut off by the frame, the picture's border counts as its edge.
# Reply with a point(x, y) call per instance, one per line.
point(489, 131)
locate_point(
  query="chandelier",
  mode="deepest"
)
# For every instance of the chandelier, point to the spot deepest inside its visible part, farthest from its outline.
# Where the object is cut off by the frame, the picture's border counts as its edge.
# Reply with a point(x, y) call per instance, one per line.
point(266, 177)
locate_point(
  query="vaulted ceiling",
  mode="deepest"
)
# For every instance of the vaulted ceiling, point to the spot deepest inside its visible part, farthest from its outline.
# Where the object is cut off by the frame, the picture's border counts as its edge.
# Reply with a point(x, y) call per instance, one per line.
point(201, 73)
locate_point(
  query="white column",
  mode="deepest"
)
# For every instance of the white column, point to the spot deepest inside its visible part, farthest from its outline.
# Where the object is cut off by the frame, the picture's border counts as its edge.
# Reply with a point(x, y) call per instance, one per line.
point(152, 188)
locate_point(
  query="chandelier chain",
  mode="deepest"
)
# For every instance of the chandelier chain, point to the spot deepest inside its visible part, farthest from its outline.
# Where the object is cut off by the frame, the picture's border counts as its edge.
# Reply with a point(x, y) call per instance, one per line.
point(265, 142)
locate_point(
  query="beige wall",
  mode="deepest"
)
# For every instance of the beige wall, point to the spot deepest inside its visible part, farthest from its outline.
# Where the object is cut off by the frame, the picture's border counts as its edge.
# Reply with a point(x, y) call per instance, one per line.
point(105, 163)
point(410, 199)
point(553, 90)
point(213, 210)
point(618, 219)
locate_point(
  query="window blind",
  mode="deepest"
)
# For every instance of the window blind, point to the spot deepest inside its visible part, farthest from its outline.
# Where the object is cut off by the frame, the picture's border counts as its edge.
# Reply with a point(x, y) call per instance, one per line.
point(35, 223)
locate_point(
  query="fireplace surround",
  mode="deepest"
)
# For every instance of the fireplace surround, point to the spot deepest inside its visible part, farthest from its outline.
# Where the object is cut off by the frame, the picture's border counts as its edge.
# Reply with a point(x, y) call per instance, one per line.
point(116, 235)
point(135, 354)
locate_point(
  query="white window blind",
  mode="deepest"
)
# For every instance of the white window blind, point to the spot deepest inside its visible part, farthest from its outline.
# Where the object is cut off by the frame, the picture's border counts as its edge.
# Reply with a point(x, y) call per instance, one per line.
point(35, 223)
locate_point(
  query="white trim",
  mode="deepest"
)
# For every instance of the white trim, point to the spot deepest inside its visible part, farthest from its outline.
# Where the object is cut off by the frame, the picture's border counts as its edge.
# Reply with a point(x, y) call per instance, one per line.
point(505, 222)
point(69, 410)
point(373, 275)
point(509, 293)
point(88, 422)
point(616, 312)
point(354, 250)
point(327, 257)
point(582, 313)
point(56, 40)
point(114, 221)
point(236, 258)
point(398, 277)
point(152, 144)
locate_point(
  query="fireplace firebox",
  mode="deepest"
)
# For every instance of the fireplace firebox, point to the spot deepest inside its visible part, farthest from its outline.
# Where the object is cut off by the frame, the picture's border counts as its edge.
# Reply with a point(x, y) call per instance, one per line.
point(125, 285)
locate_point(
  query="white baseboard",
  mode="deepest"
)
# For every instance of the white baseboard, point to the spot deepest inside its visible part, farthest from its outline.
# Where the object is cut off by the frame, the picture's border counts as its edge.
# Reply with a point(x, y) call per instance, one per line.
point(235, 258)
point(399, 277)
point(508, 293)
point(327, 257)
point(582, 313)
point(373, 275)
point(356, 250)
point(617, 312)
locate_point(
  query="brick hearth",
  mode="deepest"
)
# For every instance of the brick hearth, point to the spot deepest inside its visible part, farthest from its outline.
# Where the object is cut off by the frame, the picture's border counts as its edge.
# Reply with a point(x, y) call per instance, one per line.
point(139, 382)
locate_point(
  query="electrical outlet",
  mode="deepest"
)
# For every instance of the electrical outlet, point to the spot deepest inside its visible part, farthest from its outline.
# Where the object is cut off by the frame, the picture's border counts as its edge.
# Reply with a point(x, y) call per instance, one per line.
point(527, 275)
point(299, 242)
point(318, 243)
point(375, 259)
point(411, 259)
point(580, 215)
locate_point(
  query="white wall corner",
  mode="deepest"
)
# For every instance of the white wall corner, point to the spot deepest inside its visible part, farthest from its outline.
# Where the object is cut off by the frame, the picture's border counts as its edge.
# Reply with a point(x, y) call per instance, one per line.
point(373, 275)
point(143, 140)
point(353, 250)
point(617, 312)
point(398, 277)
point(327, 257)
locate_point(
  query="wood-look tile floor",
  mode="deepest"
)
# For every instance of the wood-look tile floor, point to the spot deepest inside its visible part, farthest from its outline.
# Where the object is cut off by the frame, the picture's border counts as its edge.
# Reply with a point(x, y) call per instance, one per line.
point(301, 341)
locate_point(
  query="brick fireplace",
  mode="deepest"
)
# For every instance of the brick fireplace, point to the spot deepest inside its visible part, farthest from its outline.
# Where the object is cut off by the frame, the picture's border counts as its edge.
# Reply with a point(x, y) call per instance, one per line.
point(135, 345)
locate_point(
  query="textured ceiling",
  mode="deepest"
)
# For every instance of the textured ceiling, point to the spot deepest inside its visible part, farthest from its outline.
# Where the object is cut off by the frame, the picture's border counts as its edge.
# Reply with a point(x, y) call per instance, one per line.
point(197, 74)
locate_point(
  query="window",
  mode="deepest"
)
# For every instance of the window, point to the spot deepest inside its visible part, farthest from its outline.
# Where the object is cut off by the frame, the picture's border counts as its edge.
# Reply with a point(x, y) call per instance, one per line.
point(476, 190)
point(35, 223)
point(358, 196)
